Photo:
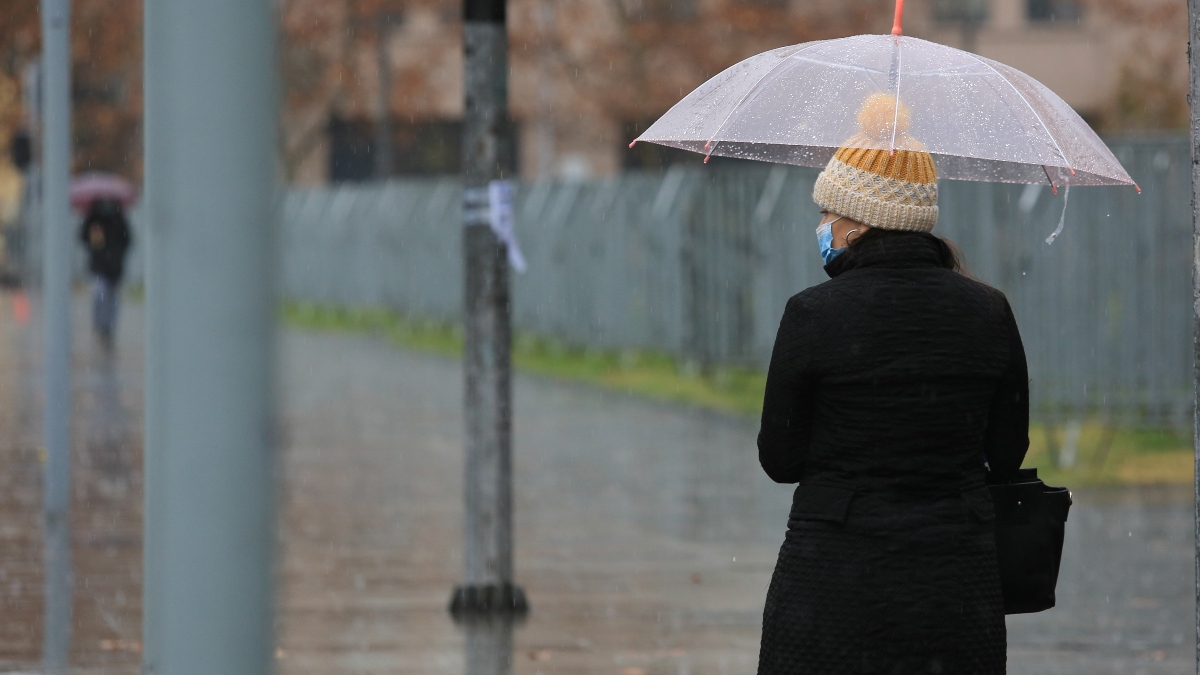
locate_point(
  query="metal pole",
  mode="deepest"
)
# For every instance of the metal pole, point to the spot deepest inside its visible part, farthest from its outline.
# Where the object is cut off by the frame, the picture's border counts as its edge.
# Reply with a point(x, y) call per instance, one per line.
point(488, 542)
point(488, 644)
point(211, 193)
point(546, 152)
point(33, 256)
point(1194, 106)
point(57, 229)
point(383, 116)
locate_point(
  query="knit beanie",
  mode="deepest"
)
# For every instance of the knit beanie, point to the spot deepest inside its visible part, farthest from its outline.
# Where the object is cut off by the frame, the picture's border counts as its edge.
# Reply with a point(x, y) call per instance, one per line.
point(891, 190)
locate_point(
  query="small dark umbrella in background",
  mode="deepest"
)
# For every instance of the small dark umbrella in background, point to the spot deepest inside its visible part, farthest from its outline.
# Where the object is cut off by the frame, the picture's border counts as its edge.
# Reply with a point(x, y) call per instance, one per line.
point(93, 186)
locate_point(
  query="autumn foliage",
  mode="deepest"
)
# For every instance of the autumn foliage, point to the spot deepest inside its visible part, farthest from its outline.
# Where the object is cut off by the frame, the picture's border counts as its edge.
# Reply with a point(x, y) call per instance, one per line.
point(584, 73)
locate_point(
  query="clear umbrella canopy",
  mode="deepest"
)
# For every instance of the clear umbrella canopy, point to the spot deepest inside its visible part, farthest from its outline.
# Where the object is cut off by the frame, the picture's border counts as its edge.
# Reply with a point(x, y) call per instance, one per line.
point(981, 119)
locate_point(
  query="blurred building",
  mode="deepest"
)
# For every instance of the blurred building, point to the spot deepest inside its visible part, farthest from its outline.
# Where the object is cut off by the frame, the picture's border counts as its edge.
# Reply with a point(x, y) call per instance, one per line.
point(1122, 64)
point(106, 74)
point(586, 75)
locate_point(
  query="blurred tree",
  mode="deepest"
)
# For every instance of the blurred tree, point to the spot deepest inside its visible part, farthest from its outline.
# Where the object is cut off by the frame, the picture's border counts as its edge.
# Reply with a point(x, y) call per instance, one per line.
point(330, 69)
point(585, 74)
point(617, 65)
point(593, 66)
point(19, 41)
point(1152, 82)
point(106, 54)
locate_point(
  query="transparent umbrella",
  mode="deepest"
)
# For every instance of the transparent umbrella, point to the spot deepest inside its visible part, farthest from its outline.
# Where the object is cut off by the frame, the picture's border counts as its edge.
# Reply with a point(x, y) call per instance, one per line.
point(981, 119)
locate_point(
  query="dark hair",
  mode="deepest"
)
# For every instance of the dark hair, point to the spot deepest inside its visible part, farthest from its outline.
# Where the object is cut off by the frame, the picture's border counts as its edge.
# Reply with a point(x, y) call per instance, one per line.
point(948, 254)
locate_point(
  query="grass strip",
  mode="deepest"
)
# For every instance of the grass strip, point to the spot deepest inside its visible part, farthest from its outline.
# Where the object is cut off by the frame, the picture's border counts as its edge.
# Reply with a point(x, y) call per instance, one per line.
point(653, 374)
point(1092, 454)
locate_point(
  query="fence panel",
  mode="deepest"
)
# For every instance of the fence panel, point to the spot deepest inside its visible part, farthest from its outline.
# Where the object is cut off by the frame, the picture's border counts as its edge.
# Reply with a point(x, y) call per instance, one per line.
point(699, 262)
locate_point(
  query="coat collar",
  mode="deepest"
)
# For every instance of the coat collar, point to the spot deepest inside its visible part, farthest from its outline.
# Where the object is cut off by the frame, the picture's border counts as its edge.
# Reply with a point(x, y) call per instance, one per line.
point(915, 250)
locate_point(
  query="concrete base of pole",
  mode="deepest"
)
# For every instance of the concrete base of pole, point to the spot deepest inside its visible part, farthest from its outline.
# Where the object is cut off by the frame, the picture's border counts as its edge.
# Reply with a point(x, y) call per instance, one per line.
point(470, 600)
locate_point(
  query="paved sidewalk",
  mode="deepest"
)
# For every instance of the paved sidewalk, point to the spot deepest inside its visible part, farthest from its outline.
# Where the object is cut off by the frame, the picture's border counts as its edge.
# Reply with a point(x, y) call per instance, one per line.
point(106, 495)
point(646, 532)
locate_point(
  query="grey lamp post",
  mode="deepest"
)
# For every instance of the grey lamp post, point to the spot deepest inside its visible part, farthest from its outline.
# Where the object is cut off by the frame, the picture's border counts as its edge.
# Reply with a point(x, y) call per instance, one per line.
point(57, 229)
point(488, 542)
point(384, 150)
point(210, 315)
point(1194, 105)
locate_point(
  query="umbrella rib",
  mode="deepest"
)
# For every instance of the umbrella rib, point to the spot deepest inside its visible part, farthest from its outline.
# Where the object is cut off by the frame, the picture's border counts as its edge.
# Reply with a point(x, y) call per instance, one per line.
point(752, 90)
point(1053, 187)
point(1035, 115)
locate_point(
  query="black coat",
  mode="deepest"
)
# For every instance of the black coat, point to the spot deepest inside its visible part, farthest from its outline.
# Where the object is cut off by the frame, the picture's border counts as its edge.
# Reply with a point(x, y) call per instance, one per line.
point(107, 239)
point(889, 386)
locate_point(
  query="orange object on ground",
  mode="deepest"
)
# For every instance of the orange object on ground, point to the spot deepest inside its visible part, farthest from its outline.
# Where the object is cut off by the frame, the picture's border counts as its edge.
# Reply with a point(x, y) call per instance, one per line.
point(21, 308)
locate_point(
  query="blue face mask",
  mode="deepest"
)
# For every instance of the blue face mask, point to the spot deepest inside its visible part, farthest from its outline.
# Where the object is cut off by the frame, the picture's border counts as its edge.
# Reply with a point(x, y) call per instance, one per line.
point(825, 241)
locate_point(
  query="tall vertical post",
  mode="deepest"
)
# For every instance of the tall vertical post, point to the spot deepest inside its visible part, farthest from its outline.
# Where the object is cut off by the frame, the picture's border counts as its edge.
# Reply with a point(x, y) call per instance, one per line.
point(384, 161)
point(488, 543)
point(32, 252)
point(57, 229)
point(1194, 116)
point(545, 130)
point(211, 191)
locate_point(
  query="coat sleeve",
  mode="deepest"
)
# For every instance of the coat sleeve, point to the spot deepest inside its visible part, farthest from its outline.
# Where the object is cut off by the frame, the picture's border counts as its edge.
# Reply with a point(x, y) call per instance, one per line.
point(787, 403)
point(1007, 437)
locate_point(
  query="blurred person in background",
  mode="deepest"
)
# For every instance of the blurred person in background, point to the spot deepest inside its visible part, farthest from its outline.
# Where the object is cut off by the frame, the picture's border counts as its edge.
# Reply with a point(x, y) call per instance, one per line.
point(105, 234)
point(897, 390)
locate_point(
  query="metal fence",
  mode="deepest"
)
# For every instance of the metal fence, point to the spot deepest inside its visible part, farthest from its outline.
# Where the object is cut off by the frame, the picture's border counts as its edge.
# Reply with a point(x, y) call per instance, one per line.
point(700, 261)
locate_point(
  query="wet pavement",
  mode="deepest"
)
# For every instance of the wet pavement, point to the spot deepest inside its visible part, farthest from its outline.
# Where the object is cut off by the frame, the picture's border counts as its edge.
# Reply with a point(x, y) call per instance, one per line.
point(106, 495)
point(646, 533)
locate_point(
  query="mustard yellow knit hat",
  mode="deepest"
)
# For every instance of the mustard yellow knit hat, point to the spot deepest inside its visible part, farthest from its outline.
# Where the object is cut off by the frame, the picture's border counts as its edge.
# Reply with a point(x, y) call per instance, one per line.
point(877, 187)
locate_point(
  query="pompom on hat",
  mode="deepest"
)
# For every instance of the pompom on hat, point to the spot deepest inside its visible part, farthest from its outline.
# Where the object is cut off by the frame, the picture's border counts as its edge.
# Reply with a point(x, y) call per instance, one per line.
point(879, 187)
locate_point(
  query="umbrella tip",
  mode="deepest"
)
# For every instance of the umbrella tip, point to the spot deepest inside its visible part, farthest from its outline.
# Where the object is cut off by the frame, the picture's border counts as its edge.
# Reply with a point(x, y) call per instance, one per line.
point(899, 18)
point(1053, 189)
point(706, 158)
point(633, 144)
point(1135, 187)
point(1072, 171)
point(707, 144)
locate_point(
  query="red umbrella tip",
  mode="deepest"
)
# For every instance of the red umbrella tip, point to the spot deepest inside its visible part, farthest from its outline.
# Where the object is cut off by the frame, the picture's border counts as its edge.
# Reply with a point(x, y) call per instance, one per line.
point(1072, 170)
point(1135, 187)
point(633, 144)
point(899, 18)
point(1053, 189)
point(706, 158)
point(707, 145)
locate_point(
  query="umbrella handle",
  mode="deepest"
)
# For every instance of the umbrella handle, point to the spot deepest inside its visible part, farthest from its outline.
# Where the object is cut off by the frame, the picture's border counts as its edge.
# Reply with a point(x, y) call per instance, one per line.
point(899, 18)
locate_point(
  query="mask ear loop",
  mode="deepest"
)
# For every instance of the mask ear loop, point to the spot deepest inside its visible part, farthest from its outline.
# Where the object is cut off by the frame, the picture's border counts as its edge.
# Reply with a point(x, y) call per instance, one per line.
point(829, 225)
point(850, 233)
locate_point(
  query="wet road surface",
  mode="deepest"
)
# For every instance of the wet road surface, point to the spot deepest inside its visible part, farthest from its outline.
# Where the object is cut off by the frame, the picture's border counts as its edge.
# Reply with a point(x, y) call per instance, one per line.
point(646, 533)
point(106, 495)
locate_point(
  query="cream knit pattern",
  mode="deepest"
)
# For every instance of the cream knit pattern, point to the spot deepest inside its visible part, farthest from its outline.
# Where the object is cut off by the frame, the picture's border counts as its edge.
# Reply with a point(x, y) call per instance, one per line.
point(876, 200)
point(882, 176)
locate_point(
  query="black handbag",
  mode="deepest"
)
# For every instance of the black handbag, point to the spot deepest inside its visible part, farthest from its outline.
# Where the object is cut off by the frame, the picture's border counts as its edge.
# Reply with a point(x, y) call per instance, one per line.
point(1030, 521)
